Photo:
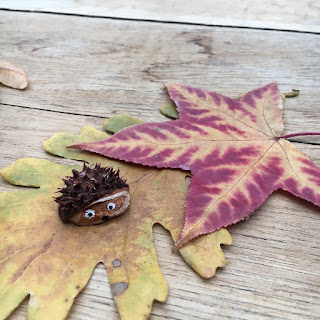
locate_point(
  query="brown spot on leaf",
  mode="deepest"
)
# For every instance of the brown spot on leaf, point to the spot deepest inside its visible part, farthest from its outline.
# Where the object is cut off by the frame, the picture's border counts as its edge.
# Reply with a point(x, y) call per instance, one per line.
point(118, 288)
point(116, 263)
point(188, 181)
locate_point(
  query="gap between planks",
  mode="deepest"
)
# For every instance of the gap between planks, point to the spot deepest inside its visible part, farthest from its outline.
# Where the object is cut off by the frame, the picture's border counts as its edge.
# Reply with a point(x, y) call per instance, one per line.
point(99, 117)
point(55, 111)
point(159, 21)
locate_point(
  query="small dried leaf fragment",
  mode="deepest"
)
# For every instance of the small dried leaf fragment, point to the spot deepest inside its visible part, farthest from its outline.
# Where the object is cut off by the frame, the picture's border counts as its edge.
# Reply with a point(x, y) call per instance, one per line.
point(12, 76)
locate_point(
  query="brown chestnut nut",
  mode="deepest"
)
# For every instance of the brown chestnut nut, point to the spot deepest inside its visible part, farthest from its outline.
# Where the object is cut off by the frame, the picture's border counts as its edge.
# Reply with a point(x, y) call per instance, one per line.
point(92, 196)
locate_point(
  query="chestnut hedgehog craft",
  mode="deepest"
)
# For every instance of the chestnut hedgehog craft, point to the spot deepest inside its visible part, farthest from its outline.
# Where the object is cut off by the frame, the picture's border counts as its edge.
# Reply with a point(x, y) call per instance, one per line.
point(93, 196)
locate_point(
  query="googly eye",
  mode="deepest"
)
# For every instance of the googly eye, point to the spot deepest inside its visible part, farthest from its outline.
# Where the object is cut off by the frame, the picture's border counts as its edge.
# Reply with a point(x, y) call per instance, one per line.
point(89, 213)
point(111, 206)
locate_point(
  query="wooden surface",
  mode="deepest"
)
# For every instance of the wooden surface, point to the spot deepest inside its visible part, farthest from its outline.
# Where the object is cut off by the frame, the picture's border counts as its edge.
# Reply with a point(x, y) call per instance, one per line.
point(83, 70)
point(277, 14)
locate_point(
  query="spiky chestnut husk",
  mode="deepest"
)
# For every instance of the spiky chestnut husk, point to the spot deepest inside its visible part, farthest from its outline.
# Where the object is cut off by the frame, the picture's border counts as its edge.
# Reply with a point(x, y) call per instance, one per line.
point(85, 187)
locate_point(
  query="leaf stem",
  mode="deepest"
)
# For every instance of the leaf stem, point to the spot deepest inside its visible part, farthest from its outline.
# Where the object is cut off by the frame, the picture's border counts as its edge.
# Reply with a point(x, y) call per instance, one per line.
point(300, 134)
point(291, 94)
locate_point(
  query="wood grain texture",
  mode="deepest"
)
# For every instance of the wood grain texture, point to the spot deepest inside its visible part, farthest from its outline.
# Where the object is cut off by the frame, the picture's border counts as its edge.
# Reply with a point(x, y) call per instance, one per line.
point(278, 14)
point(94, 66)
point(82, 70)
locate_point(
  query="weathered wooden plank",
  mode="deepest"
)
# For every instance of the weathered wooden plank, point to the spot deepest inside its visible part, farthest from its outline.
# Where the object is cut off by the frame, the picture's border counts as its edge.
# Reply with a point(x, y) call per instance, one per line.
point(277, 277)
point(23, 131)
point(279, 14)
point(102, 67)
point(272, 267)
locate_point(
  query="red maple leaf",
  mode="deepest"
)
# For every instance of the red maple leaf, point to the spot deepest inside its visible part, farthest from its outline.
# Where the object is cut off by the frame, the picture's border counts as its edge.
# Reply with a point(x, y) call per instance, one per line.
point(233, 148)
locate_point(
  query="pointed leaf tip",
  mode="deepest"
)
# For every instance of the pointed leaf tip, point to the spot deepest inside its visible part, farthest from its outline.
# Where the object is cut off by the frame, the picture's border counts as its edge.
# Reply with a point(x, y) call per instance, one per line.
point(77, 145)
point(170, 110)
point(182, 241)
